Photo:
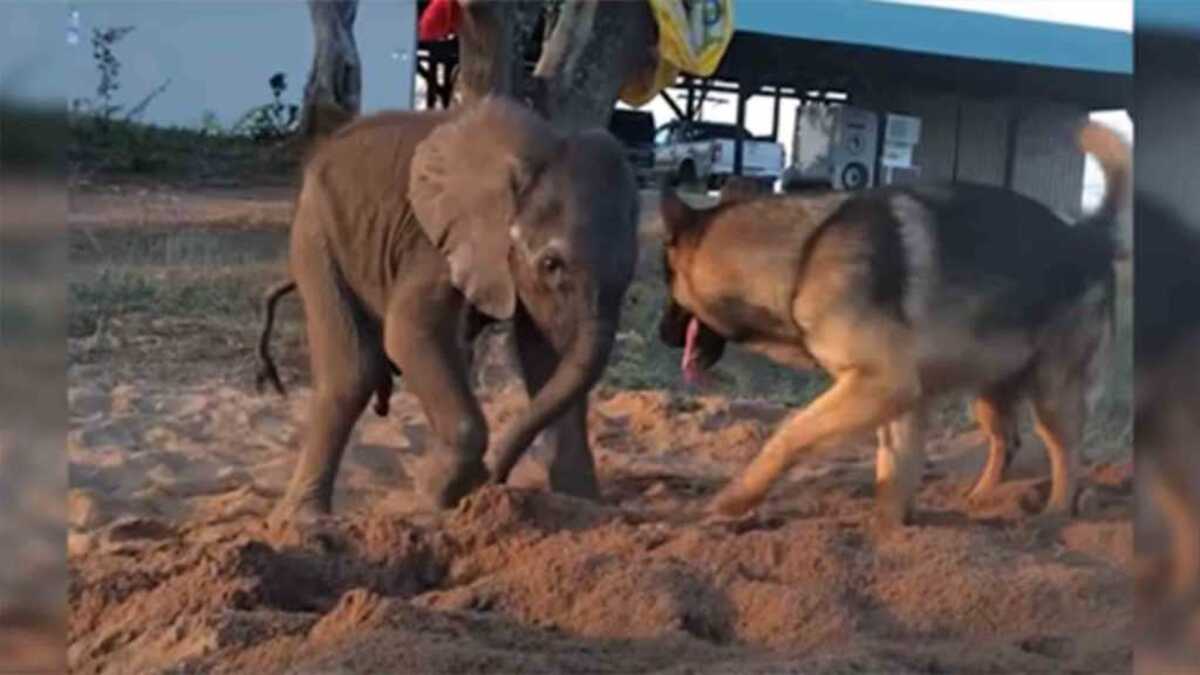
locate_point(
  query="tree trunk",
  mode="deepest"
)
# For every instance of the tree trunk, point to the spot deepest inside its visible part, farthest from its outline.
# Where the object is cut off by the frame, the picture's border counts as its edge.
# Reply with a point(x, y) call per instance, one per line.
point(491, 42)
point(589, 51)
point(333, 93)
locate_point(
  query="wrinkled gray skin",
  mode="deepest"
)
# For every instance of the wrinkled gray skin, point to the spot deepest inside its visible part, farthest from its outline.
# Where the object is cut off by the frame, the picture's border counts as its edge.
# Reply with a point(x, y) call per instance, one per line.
point(512, 221)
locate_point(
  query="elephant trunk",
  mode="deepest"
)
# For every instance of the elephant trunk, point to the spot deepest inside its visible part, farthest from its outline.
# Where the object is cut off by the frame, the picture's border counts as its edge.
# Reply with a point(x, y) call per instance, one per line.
point(577, 371)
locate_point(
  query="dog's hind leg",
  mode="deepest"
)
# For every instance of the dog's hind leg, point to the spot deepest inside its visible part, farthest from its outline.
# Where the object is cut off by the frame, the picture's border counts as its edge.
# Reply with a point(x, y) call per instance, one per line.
point(1066, 383)
point(898, 466)
point(1059, 407)
point(996, 413)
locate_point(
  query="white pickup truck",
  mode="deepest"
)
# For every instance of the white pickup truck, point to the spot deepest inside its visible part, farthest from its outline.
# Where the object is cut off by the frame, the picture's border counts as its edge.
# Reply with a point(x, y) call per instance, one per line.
point(700, 154)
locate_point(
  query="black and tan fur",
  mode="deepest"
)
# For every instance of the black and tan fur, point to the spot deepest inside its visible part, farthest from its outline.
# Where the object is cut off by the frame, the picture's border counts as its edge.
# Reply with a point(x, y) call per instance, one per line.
point(902, 294)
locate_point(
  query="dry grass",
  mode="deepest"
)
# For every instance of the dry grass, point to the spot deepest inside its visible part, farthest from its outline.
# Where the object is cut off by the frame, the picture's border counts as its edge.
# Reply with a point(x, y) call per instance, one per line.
point(178, 278)
point(208, 270)
point(136, 152)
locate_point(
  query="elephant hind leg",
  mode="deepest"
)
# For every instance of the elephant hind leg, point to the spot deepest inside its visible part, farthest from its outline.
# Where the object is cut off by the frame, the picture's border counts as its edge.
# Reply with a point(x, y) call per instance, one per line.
point(347, 367)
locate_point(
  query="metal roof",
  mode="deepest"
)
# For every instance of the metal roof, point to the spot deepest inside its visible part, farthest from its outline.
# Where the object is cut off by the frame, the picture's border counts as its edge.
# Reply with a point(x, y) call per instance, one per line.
point(1177, 16)
point(945, 32)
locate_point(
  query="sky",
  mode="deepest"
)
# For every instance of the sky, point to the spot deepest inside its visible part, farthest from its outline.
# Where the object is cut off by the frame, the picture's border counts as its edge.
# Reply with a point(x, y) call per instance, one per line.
point(217, 55)
point(1110, 14)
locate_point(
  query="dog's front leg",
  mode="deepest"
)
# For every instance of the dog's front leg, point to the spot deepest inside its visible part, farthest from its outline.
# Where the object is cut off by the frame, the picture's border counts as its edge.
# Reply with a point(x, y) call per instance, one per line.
point(860, 398)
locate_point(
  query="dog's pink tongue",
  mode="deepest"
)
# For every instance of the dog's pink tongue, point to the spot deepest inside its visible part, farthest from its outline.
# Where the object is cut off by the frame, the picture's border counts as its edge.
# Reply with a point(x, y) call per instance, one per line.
point(691, 373)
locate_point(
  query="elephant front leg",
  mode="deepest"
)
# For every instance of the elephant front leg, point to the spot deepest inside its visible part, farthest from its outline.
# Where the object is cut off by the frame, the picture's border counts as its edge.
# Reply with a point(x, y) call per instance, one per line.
point(422, 336)
point(571, 468)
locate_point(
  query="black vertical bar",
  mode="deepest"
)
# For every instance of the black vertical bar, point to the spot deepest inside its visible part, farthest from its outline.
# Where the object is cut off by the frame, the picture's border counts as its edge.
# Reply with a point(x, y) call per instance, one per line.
point(775, 117)
point(691, 100)
point(958, 106)
point(1010, 146)
point(741, 123)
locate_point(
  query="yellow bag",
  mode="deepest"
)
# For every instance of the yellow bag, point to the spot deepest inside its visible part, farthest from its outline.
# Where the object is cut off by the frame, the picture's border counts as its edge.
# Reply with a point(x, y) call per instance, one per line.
point(692, 37)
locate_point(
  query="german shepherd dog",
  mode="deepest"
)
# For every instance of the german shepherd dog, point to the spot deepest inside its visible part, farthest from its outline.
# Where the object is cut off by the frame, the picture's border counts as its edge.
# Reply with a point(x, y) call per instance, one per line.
point(903, 294)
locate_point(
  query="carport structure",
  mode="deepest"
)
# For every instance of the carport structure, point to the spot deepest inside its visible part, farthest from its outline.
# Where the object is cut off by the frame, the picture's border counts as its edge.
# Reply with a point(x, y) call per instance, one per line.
point(997, 96)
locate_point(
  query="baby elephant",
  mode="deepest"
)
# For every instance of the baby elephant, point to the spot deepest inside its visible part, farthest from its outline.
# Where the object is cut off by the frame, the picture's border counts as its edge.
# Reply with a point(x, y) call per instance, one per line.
point(412, 232)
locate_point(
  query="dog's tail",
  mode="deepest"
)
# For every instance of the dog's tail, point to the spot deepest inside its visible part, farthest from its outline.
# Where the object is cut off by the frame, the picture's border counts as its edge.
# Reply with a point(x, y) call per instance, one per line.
point(266, 365)
point(1111, 151)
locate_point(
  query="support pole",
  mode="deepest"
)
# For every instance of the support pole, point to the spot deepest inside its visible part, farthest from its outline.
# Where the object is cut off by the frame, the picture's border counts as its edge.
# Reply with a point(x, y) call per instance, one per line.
point(703, 95)
point(775, 117)
point(679, 113)
point(1010, 145)
point(738, 145)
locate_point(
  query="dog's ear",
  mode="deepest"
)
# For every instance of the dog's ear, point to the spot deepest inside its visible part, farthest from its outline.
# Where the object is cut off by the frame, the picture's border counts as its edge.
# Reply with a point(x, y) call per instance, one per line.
point(677, 216)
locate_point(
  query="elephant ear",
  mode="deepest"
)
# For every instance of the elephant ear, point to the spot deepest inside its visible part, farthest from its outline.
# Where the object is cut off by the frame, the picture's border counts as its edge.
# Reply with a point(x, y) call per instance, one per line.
point(466, 179)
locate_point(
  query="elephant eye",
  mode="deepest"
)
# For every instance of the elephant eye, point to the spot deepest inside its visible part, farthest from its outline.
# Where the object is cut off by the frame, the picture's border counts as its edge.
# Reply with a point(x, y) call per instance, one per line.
point(552, 263)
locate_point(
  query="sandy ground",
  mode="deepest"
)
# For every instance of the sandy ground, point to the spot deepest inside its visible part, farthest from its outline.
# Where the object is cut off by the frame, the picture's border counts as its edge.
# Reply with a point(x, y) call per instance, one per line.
point(174, 464)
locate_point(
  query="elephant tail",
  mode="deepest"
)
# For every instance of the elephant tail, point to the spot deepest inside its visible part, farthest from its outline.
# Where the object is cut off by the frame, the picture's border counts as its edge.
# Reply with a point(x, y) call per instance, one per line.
point(266, 365)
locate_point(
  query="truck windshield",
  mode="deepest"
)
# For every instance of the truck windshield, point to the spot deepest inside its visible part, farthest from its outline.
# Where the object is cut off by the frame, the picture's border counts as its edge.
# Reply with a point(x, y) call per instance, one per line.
point(702, 131)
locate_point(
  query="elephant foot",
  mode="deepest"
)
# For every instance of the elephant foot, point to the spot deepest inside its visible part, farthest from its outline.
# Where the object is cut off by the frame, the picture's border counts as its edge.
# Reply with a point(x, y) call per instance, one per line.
point(305, 523)
point(584, 487)
point(442, 481)
point(577, 479)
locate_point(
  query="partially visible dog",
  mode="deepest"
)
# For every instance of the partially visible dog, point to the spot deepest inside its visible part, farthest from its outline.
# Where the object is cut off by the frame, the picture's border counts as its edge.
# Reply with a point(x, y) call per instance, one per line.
point(1166, 358)
point(902, 294)
point(1004, 438)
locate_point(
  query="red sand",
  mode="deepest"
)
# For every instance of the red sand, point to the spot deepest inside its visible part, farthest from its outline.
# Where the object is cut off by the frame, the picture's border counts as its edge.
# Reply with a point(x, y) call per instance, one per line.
point(173, 571)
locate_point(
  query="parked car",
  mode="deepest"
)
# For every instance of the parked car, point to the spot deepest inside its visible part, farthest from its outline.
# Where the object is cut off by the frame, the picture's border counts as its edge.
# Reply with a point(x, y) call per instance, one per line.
point(701, 154)
point(635, 130)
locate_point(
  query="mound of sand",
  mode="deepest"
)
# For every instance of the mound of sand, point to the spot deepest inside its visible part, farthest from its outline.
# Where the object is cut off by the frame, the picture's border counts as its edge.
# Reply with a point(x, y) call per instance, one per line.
point(172, 569)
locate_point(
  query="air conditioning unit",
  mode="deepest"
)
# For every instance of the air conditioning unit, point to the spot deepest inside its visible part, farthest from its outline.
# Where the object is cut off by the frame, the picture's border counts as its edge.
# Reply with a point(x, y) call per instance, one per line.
point(902, 134)
point(835, 145)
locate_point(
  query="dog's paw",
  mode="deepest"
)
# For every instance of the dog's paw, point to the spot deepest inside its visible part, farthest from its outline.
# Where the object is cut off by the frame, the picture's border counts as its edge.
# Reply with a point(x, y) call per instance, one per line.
point(1046, 526)
point(733, 502)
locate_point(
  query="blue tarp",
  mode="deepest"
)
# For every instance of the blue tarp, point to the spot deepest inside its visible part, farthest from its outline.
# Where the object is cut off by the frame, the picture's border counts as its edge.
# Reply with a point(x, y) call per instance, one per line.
point(941, 31)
